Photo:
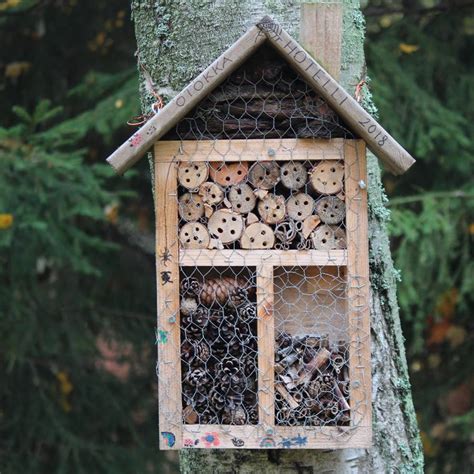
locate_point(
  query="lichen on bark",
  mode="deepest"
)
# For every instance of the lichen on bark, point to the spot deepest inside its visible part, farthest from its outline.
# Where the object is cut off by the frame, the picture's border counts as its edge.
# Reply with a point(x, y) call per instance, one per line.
point(175, 41)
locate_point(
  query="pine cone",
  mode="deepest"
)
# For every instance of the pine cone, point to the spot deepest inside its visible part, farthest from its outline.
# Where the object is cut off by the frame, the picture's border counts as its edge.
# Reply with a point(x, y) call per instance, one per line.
point(197, 378)
point(202, 352)
point(219, 348)
point(201, 317)
point(221, 290)
point(248, 312)
point(208, 417)
point(234, 416)
point(230, 365)
point(217, 398)
point(190, 328)
point(190, 286)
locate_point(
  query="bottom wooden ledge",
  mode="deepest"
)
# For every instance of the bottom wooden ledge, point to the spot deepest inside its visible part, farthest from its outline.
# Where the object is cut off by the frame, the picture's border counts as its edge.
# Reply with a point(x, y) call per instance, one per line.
point(261, 437)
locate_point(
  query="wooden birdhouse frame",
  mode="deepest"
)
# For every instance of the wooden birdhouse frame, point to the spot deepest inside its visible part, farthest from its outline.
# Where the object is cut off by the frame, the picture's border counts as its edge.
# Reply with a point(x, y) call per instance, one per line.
point(354, 259)
point(306, 389)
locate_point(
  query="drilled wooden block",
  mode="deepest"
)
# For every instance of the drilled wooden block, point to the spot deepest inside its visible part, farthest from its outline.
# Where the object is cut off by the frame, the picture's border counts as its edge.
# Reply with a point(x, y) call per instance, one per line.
point(191, 207)
point(327, 177)
point(300, 206)
point(272, 209)
point(331, 210)
point(257, 236)
point(242, 198)
point(226, 226)
point(192, 175)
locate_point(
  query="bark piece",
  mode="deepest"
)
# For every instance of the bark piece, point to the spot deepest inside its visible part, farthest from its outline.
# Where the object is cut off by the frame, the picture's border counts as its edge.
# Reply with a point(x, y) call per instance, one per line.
point(321, 358)
point(251, 218)
point(191, 207)
point(300, 206)
point(211, 193)
point(309, 224)
point(242, 198)
point(331, 210)
point(327, 177)
point(264, 174)
point(261, 193)
point(192, 175)
point(293, 175)
point(257, 236)
point(226, 225)
point(227, 174)
point(208, 210)
point(286, 396)
point(190, 417)
point(194, 235)
point(272, 209)
point(327, 237)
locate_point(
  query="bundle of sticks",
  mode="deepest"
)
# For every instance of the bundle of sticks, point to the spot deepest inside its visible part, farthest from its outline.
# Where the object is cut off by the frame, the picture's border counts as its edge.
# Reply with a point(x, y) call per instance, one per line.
point(312, 381)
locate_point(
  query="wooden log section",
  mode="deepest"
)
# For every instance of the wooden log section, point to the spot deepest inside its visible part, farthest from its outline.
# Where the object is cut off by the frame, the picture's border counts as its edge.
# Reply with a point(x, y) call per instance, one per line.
point(228, 174)
point(211, 193)
point(327, 178)
point(329, 237)
point(264, 174)
point(226, 226)
point(293, 175)
point(194, 235)
point(191, 207)
point(272, 209)
point(309, 224)
point(192, 175)
point(257, 236)
point(300, 206)
point(331, 210)
point(242, 198)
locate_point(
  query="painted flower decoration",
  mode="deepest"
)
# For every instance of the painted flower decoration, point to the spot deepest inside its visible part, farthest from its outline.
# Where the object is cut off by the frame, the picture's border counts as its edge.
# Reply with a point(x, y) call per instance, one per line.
point(211, 439)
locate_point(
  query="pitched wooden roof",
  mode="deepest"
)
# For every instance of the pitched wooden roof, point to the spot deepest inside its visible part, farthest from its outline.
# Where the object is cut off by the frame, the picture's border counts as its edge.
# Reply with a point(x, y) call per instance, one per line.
point(379, 141)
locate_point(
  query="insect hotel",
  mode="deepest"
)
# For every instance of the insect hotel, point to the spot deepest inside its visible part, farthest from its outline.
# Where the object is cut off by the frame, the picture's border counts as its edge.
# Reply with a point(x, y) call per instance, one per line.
point(262, 251)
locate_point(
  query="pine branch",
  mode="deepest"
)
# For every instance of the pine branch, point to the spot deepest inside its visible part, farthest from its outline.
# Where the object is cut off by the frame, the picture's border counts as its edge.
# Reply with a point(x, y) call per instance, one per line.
point(441, 8)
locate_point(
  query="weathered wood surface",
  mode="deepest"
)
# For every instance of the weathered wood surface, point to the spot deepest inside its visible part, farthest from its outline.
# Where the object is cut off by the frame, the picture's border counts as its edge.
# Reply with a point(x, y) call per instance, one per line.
point(266, 345)
point(133, 149)
point(167, 280)
point(321, 34)
point(287, 149)
point(358, 284)
point(261, 437)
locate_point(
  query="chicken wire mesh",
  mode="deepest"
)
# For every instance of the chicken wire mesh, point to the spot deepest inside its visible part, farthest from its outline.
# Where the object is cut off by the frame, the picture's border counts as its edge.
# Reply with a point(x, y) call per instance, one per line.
point(236, 215)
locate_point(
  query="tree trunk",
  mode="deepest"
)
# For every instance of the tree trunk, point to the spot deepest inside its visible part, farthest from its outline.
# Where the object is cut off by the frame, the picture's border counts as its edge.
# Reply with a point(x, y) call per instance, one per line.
point(176, 40)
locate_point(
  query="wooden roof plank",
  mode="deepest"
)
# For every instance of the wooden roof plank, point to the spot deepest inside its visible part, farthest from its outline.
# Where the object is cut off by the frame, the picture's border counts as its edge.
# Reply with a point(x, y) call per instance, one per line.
point(138, 144)
point(379, 141)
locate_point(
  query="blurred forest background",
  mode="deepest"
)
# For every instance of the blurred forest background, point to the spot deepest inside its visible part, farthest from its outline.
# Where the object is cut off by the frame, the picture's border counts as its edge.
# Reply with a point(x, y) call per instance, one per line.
point(77, 282)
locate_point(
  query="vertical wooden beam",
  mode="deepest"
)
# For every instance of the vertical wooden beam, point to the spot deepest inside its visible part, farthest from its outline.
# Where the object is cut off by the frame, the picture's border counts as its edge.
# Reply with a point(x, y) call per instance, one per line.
point(266, 345)
point(358, 285)
point(168, 334)
point(321, 34)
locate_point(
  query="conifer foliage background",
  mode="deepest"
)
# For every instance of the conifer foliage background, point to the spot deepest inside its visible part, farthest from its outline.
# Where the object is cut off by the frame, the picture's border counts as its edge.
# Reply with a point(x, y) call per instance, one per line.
point(77, 298)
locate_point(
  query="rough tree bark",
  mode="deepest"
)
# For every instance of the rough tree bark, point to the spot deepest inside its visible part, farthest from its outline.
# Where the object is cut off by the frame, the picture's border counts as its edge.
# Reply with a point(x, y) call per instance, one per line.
point(176, 40)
